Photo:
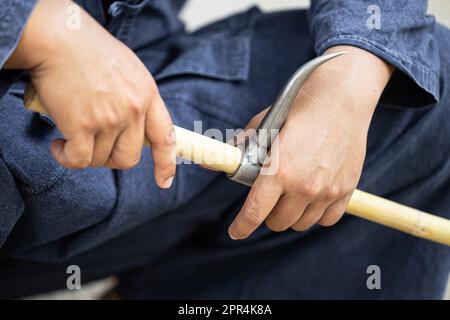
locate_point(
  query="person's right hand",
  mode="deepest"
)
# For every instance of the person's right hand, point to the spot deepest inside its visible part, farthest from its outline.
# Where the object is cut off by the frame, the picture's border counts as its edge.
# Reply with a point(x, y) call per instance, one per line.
point(100, 95)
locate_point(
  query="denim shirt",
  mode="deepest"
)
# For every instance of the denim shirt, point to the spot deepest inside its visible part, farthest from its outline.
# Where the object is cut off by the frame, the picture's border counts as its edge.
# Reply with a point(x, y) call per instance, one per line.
point(13, 17)
point(404, 39)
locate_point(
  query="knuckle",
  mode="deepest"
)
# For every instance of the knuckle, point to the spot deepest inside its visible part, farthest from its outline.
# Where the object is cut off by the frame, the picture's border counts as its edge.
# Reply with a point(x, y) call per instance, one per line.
point(275, 225)
point(86, 124)
point(168, 135)
point(79, 163)
point(112, 120)
point(282, 175)
point(330, 221)
point(332, 218)
point(152, 89)
point(136, 108)
point(333, 192)
point(165, 136)
point(131, 163)
point(251, 215)
point(300, 226)
point(349, 189)
point(311, 188)
point(252, 218)
point(125, 163)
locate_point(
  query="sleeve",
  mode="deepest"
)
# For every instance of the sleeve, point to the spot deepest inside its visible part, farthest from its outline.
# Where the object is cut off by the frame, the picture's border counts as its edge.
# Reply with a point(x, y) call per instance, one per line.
point(13, 17)
point(398, 31)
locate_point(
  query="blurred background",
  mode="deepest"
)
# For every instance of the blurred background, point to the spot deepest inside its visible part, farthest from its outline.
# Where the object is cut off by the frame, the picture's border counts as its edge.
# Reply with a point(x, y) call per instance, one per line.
point(200, 12)
point(196, 14)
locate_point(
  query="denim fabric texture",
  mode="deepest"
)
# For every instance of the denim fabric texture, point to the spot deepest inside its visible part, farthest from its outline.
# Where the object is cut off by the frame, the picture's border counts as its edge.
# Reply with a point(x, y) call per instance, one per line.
point(13, 16)
point(405, 38)
point(174, 243)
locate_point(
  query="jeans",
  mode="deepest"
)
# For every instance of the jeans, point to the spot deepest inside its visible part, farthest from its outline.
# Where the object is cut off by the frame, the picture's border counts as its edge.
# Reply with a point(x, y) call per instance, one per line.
point(174, 243)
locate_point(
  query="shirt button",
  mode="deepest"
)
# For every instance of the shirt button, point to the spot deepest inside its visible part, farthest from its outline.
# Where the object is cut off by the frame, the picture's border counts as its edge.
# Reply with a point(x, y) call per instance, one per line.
point(115, 9)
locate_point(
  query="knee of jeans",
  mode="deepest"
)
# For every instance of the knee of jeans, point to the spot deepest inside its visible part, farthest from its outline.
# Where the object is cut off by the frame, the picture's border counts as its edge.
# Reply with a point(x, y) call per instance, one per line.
point(57, 201)
point(77, 202)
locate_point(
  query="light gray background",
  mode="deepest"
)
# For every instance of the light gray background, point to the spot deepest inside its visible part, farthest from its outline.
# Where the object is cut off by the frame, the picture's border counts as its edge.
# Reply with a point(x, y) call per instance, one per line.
point(199, 12)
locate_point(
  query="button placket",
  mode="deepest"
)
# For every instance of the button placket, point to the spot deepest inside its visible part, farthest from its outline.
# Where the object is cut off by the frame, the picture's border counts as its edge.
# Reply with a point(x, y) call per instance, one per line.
point(122, 14)
point(118, 7)
point(115, 9)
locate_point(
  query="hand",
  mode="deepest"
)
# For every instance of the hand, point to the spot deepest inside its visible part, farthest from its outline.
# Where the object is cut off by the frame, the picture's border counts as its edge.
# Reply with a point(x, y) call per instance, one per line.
point(321, 148)
point(101, 96)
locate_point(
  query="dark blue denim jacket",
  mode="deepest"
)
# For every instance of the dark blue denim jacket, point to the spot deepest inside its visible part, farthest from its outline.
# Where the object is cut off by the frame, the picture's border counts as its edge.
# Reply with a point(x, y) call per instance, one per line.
point(404, 39)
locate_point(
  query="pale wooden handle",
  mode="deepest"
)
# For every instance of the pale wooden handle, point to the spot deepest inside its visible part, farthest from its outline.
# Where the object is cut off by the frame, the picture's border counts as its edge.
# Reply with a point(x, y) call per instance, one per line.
point(224, 157)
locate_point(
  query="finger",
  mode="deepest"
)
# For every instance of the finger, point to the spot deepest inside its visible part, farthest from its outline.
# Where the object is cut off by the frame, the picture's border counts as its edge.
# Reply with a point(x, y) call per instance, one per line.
point(259, 203)
point(161, 133)
point(250, 129)
point(127, 149)
point(312, 214)
point(334, 212)
point(103, 146)
point(74, 153)
point(256, 120)
point(286, 212)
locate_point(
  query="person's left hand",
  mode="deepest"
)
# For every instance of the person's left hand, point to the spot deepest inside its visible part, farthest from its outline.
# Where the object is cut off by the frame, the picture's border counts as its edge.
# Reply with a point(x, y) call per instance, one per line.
point(321, 148)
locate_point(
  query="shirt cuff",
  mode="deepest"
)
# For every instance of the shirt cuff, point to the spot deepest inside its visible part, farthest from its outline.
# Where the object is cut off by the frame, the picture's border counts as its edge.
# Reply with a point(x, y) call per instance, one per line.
point(413, 84)
point(14, 15)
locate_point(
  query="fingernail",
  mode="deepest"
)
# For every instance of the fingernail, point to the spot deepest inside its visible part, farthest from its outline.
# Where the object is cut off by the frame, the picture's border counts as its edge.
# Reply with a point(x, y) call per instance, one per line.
point(230, 233)
point(232, 237)
point(168, 183)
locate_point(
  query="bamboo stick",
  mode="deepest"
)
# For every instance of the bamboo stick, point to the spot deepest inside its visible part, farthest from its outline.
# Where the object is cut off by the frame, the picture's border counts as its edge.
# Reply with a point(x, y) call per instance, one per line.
point(220, 156)
point(400, 217)
point(190, 146)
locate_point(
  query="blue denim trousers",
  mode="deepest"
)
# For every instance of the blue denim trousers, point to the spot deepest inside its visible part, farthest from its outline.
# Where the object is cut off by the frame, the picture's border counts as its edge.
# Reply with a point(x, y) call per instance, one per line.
point(174, 243)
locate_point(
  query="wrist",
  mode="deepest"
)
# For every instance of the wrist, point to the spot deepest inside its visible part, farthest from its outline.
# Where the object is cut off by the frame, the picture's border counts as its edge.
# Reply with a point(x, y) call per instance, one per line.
point(348, 87)
point(39, 38)
point(362, 69)
point(362, 76)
